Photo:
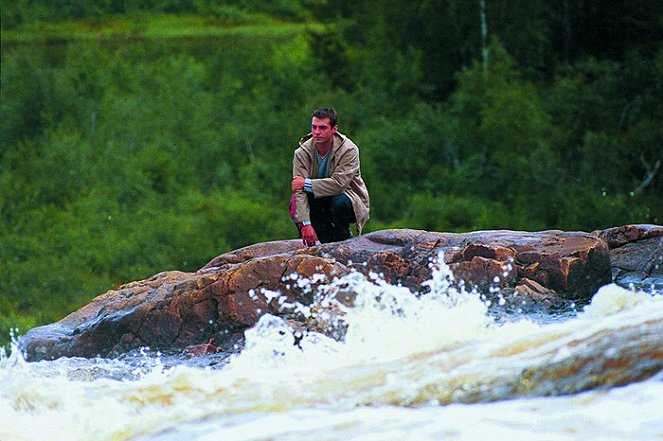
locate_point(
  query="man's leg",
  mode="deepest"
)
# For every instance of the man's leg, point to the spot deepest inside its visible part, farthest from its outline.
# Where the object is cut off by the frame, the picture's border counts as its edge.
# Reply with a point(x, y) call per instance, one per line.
point(342, 215)
point(321, 218)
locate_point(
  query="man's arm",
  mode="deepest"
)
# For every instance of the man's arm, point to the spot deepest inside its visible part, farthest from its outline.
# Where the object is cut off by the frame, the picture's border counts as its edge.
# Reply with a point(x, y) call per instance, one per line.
point(299, 170)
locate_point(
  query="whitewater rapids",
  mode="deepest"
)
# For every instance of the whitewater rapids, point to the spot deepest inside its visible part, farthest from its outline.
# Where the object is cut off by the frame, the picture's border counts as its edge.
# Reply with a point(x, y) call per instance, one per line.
point(438, 366)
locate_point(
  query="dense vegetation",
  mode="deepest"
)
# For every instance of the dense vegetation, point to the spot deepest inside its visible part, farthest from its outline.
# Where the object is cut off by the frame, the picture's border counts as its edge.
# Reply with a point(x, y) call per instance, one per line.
point(140, 139)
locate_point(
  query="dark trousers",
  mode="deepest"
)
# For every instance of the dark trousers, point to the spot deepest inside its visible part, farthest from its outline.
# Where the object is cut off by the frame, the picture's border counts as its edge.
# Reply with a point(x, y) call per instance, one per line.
point(331, 217)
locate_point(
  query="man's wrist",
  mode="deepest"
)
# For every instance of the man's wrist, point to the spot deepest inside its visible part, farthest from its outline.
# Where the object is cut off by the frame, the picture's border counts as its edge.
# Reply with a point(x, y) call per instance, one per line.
point(308, 185)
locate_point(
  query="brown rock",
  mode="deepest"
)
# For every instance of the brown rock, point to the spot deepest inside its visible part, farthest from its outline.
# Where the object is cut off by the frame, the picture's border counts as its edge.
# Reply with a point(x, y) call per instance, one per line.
point(532, 290)
point(484, 272)
point(618, 236)
point(200, 350)
point(494, 252)
point(608, 358)
point(636, 255)
point(256, 250)
point(173, 310)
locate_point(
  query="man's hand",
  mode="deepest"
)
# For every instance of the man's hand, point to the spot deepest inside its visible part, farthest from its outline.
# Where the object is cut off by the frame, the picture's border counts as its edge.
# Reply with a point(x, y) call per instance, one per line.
point(297, 184)
point(308, 236)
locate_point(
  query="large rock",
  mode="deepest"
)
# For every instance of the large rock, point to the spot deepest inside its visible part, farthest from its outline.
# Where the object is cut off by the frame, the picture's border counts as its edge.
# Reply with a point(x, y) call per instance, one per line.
point(636, 255)
point(173, 310)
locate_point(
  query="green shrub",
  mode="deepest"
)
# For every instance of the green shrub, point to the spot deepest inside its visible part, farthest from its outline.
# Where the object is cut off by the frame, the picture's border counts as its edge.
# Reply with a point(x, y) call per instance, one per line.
point(455, 214)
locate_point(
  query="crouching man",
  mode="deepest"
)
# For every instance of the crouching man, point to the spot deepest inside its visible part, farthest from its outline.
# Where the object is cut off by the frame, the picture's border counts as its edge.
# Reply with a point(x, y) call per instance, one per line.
point(328, 193)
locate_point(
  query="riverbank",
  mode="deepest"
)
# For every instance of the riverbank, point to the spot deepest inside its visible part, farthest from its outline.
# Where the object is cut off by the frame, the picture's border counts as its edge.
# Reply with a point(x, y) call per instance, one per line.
point(152, 26)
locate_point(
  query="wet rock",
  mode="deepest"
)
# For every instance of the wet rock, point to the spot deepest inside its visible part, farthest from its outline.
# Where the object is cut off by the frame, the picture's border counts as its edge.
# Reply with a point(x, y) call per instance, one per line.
point(200, 349)
point(572, 265)
point(173, 310)
point(603, 358)
point(636, 255)
point(619, 236)
point(256, 250)
point(606, 359)
point(530, 291)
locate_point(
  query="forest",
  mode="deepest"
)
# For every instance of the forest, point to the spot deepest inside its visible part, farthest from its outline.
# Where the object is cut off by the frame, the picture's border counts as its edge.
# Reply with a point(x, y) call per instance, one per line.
point(140, 137)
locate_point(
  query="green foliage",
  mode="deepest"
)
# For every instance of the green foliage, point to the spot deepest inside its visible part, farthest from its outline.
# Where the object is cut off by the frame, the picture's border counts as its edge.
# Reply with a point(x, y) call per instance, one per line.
point(123, 154)
point(24, 90)
point(455, 214)
point(19, 12)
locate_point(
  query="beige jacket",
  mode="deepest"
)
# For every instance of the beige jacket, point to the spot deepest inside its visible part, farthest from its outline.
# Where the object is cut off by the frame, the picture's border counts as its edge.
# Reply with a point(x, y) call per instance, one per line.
point(344, 172)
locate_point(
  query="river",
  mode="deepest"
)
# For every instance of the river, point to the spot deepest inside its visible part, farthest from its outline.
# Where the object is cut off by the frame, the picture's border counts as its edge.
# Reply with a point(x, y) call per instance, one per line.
point(446, 365)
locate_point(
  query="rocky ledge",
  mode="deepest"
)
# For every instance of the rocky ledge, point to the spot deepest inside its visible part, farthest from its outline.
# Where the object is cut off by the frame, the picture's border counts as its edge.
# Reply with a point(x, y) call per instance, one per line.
point(207, 309)
point(636, 255)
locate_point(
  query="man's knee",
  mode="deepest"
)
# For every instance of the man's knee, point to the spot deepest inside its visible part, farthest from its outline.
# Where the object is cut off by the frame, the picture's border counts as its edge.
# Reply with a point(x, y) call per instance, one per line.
point(341, 208)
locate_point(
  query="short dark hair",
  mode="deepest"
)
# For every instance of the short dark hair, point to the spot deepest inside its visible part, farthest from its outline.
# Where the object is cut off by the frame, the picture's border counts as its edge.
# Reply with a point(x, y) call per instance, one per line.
point(326, 112)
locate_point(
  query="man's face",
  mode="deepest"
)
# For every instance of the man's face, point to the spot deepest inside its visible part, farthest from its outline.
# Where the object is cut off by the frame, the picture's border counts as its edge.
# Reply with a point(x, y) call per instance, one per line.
point(323, 132)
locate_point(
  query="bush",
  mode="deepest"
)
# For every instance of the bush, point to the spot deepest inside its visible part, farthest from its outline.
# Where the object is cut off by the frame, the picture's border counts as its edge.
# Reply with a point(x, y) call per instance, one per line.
point(455, 214)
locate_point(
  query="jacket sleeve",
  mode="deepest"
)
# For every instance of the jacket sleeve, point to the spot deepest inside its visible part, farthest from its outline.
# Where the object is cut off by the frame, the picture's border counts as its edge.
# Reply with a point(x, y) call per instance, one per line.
point(300, 168)
point(340, 179)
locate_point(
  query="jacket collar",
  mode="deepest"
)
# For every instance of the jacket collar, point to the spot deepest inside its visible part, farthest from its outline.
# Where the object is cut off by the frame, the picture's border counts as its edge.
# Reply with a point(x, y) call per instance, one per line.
point(307, 143)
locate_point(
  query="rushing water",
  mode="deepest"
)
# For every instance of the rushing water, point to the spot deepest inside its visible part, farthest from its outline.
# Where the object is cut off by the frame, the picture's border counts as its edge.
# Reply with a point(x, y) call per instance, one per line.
point(439, 366)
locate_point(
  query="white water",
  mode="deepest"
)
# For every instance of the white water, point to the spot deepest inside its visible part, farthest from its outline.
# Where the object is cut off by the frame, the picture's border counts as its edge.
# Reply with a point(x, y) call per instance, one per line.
point(402, 371)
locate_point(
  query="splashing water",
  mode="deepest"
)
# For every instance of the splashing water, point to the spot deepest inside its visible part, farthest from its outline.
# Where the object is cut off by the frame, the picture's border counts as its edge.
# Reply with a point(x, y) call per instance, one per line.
point(387, 365)
point(376, 320)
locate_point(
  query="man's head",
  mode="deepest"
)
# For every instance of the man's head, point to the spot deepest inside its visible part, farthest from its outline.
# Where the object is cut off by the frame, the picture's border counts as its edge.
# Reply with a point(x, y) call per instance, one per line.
point(326, 112)
point(323, 127)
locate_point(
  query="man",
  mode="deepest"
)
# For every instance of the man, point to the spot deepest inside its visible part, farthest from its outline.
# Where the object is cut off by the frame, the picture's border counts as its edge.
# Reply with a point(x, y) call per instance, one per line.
point(328, 193)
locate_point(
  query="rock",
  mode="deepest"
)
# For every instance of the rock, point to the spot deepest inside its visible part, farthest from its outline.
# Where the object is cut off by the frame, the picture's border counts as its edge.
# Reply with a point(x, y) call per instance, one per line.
point(619, 236)
point(253, 251)
point(530, 290)
point(636, 255)
point(571, 264)
point(200, 349)
point(174, 310)
point(608, 358)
